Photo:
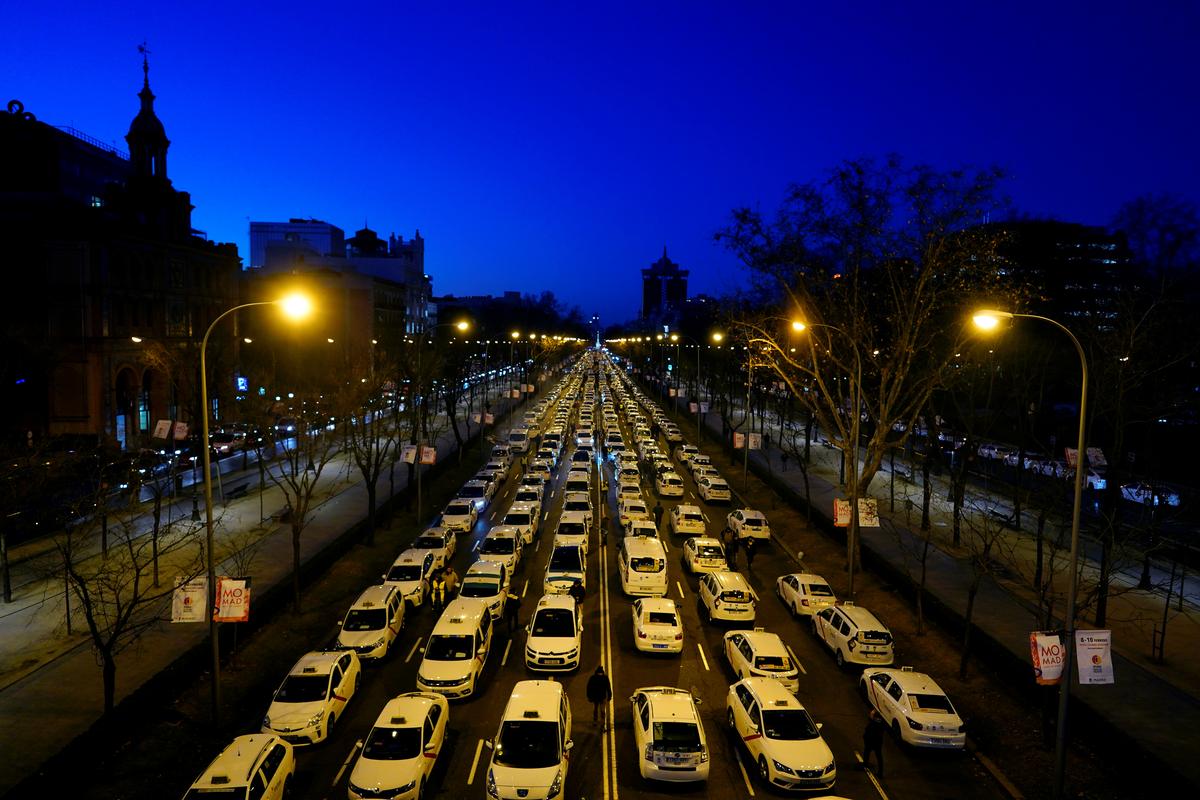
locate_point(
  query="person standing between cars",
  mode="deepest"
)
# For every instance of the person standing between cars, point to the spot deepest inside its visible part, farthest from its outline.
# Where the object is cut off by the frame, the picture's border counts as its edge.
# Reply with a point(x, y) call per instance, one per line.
point(783, 457)
point(512, 611)
point(451, 578)
point(873, 741)
point(437, 591)
point(730, 541)
point(599, 692)
point(577, 592)
point(749, 546)
point(658, 512)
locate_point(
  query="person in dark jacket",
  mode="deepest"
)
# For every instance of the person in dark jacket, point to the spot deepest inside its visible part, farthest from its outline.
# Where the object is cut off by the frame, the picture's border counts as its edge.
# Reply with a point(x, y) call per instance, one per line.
point(576, 591)
point(658, 512)
point(512, 611)
point(729, 539)
point(749, 546)
point(599, 692)
point(873, 741)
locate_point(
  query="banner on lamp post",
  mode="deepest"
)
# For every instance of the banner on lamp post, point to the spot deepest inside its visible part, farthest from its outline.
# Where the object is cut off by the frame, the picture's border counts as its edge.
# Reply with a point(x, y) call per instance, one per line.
point(189, 600)
point(181, 430)
point(233, 600)
point(756, 441)
point(1047, 653)
point(476, 418)
point(408, 454)
point(672, 392)
point(1072, 456)
point(868, 512)
point(515, 394)
point(1096, 457)
point(1093, 654)
point(428, 455)
point(739, 440)
point(694, 407)
point(162, 429)
point(488, 419)
point(841, 513)
point(704, 408)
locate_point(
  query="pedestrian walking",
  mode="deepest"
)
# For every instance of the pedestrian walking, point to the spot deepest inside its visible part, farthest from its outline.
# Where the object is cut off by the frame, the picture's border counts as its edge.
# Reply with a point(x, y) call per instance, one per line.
point(873, 741)
point(512, 611)
point(451, 578)
point(730, 541)
point(577, 592)
point(437, 591)
point(599, 692)
point(783, 458)
point(749, 547)
point(658, 512)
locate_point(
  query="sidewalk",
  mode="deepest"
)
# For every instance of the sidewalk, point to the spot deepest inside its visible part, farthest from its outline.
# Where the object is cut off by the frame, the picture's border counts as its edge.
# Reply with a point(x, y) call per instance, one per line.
point(38, 717)
point(1154, 707)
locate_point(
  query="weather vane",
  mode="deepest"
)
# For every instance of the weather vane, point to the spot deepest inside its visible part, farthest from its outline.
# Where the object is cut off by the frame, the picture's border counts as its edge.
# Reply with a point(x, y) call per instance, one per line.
point(144, 49)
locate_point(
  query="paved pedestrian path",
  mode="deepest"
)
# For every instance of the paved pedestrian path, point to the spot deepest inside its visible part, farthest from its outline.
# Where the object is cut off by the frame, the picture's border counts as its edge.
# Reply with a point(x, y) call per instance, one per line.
point(1154, 705)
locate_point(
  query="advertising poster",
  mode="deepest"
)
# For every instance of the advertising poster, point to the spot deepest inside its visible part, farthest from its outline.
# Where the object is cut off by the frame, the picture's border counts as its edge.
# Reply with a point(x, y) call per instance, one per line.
point(868, 512)
point(1093, 654)
point(428, 455)
point(841, 513)
point(739, 440)
point(693, 407)
point(476, 417)
point(488, 419)
point(408, 454)
point(1046, 650)
point(189, 600)
point(233, 599)
point(756, 441)
point(704, 408)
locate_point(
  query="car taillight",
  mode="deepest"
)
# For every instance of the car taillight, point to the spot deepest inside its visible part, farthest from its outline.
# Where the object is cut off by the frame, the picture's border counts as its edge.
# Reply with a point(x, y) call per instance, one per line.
point(641, 634)
point(804, 601)
point(679, 636)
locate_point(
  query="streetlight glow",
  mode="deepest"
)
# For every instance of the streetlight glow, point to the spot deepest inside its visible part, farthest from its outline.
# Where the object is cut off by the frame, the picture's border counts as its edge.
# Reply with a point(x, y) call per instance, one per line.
point(987, 319)
point(798, 326)
point(296, 305)
point(718, 337)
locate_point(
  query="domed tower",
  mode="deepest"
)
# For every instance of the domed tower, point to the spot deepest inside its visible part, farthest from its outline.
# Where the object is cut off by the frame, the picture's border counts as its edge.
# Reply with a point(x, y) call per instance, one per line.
point(147, 138)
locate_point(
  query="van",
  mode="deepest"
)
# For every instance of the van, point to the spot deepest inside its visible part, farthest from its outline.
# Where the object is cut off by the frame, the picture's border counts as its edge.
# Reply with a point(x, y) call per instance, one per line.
point(260, 764)
point(726, 597)
point(530, 753)
point(518, 440)
point(457, 650)
point(642, 565)
point(855, 635)
point(503, 454)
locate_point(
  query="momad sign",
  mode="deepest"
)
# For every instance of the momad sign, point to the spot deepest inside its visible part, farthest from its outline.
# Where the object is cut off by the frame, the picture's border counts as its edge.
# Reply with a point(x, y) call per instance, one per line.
point(233, 600)
point(1048, 652)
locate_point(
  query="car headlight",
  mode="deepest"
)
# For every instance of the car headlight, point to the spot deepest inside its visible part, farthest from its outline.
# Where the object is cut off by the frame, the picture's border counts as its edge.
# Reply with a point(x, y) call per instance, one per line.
point(317, 717)
point(408, 787)
point(491, 785)
point(784, 768)
point(266, 722)
point(379, 642)
point(555, 784)
point(912, 723)
point(832, 766)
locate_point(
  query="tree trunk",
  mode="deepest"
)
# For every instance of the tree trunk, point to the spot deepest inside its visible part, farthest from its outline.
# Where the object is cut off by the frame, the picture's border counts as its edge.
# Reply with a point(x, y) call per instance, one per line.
point(926, 489)
point(370, 513)
point(296, 529)
point(967, 626)
point(154, 532)
point(109, 664)
point(1040, 557)
point(921, 587)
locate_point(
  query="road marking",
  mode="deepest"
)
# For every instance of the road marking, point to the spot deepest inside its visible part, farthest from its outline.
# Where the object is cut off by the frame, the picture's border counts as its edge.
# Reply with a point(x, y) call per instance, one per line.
point(871, 775)
point(525, 588)
point(345, 764)
point(504, 660)
point(705, 515)
point(666, 548)
point(703, 658)
point(795, 660)
point(416, 644)
point(680, 588)
point(745, 777)
point(609, 749)
point(475, 763)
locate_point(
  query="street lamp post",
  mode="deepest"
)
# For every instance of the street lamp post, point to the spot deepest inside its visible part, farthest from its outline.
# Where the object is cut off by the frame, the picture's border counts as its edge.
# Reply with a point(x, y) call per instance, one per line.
point(295, 306)
point(461, 326)
point(988, 320)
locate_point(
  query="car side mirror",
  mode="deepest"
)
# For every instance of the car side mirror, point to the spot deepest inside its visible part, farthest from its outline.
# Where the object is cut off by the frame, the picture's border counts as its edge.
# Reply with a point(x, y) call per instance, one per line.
point(820, 725)
point(489, 743)
point(632, 698)
point(568, 745)
point(421, 650)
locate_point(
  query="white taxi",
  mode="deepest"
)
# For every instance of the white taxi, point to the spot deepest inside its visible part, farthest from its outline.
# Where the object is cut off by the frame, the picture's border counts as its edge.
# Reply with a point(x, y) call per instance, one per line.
point(572, 529)
point(266, 763)
point(854, 635)
point(478, 492)
point(578, 501)
point(713, 490)
point(402, 748)
point(523, 517)
point(761, 654)
point(566, 567)
point(669, 484)
point(554, 635)
point(487, 581)
point(312, 696)
point(634, 508)
point(530, 753)
point(915, 707)
point(373, 623)
point(780, 736)
point(804, 593)
point(687, 519)
point(459, 515)
point(668, 735)
point(704, 554)
point(747, 523)
point(656, 625)
point(503, 544)
point(436, 540)
point(410, 574)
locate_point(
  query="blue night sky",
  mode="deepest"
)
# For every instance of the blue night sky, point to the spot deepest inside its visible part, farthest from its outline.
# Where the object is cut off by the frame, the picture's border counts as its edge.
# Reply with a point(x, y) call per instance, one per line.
point(537, 144)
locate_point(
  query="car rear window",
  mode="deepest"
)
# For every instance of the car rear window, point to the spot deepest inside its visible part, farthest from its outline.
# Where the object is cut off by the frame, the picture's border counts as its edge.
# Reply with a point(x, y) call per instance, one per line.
point(735, 596)
point(661, 618)
point(646, 564)
point(931, 703)
point(820, 590)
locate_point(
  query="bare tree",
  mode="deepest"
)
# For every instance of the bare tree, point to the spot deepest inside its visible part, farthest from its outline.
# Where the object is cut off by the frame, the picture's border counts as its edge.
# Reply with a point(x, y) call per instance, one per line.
point(370, 436)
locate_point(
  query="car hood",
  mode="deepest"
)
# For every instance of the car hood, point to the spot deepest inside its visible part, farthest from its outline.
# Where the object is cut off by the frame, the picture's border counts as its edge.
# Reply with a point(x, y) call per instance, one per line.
point(537, 781)
point(293, 714)
point(562, 581)
point(360, 638)
point(381, 775)
point(552, 644)
point(806, 754)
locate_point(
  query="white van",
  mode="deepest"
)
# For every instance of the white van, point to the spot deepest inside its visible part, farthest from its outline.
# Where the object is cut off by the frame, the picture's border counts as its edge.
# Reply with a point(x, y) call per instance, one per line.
point(642, 565)
point(457, 649)
point(530, 751)
point(518, 439)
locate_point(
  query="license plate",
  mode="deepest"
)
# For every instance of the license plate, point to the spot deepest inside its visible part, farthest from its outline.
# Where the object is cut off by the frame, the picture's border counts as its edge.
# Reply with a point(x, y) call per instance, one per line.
point(660, 645)
point(552, 660)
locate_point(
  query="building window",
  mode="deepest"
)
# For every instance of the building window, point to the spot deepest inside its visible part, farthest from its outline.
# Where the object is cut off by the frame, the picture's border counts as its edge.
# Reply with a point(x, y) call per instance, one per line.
point(97, 201)
point(143, 410)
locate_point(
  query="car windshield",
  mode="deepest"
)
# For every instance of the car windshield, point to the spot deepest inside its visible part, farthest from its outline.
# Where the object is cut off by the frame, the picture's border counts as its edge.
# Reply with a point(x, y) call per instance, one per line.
point(566, 559)
point(772, 663)
point(450, 648)
point(646, 564)
point(232, 792)
point(678, 736)
point(498, 545)
point(572, 528)
point(661, 618)
point(709, 551)
point(526, 495)
point(527, 744)
point(480, 587)
point(302, 689)
point(792, 725)
point(429, 543)
point(931, 703)
point(405, 572)
point(554, 622)
point(576, 505)
point(458, 510)
point(517, 518)
point(472, 491)
point(392, 744)
point(365, 619)
point(751, 522)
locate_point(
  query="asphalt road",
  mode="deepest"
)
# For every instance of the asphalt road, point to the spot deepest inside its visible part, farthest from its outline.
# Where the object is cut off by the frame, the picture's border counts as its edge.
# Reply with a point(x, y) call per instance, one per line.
point(603, 765)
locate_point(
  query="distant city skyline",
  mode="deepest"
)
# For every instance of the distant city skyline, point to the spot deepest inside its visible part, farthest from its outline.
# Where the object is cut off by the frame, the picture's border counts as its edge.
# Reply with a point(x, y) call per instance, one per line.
point(544, 148)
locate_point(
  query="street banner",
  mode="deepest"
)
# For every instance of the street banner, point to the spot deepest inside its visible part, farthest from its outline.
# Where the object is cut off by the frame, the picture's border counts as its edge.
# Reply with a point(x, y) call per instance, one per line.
point(408, 454)
point(1093, 654)
point(1072, 456)
point(181, 430)
point(488, 419)
point(704, 408)
point(868, 512)
point(1096, 457)
point(739, 440)
point(672, 392)
point(428, 455)
point(693, 407)
point(189, 600)
point(515, 394)
point(476, 417)
point(841, 513)
point(756, 441)
point(1046, 650)
point(233, 600)
point(162, 429)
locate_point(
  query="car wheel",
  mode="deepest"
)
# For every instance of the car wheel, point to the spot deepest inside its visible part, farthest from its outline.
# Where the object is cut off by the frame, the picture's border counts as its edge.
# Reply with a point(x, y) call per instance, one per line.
point(862, 691)
point(762, 770)
point(795, 611)
point(839, 658)
point(330, 726)
point(357, 683)
point(705, 616)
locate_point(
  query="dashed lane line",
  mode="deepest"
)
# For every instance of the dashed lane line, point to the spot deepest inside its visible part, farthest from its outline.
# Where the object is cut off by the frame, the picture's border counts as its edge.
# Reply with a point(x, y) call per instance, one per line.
point(416, 644)
point(346, 764)
point(745, 777)
point(680, 588)
point(475, 763)
point(507, 647)
point(795, 660)
point(703, 657)
point(525, 588)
